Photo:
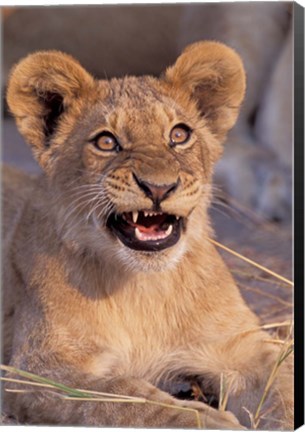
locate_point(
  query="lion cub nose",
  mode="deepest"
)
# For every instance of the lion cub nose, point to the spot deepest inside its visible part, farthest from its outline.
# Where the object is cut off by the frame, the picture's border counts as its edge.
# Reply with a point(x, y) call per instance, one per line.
point(156, 193)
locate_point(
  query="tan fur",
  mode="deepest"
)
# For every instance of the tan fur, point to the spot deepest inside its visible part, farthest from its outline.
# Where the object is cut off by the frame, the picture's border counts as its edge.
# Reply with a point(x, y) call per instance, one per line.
point(256, 165)
point(88, 311)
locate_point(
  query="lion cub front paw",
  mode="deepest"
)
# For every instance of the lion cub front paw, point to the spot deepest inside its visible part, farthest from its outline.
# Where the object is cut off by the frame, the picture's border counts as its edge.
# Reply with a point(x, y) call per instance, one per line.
point(212, 418)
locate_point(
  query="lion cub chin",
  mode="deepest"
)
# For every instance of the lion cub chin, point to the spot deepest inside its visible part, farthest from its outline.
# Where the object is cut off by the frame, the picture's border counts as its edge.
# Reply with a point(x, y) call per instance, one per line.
point(108, 268)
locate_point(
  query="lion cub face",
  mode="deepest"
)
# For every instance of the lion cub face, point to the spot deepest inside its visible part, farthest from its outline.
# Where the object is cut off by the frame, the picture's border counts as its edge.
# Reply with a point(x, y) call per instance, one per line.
point(129, 161)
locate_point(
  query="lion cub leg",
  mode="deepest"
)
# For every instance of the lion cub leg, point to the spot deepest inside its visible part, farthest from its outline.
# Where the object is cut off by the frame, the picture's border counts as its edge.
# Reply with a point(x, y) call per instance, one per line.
point(154, 408)
point(245, 363)
point(270, 407)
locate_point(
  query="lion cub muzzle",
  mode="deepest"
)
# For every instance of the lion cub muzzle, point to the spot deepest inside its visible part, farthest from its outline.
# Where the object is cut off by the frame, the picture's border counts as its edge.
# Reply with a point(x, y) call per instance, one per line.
point(146, 230)
point(156, 193)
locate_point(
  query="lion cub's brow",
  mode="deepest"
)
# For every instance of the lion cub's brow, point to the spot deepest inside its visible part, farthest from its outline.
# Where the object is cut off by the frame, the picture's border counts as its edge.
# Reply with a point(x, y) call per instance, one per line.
point(136, 90)
point(135, 105)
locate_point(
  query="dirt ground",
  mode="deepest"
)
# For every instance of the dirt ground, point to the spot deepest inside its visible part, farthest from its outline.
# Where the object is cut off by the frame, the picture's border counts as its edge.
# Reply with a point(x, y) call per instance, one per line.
point(269, 244)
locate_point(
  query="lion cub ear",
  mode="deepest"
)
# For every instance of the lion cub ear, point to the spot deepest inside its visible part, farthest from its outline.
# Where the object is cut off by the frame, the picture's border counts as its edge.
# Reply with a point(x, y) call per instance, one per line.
point(214, 76)
point(41, 89)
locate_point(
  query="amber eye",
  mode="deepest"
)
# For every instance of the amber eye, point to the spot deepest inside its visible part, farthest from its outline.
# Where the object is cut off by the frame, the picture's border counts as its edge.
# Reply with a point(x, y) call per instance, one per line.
point(180, 134)
point(106, 141)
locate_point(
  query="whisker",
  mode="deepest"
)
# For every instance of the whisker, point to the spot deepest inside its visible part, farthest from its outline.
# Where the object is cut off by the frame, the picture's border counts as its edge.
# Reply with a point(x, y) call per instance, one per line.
point(226, 215)
point(75, 193)
point(86, 201)
point(106, 211)
point(97, 204)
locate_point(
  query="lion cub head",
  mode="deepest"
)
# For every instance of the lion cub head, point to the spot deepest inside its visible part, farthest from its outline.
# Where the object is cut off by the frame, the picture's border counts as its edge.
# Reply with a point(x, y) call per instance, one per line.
point(128, 162)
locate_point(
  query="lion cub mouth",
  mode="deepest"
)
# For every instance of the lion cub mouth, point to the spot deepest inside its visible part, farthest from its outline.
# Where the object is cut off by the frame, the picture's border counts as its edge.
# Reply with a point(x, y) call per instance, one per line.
point(146, 230)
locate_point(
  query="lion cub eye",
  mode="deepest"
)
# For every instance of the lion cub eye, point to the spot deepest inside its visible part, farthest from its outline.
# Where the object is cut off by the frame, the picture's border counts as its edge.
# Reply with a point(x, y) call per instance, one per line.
point(106, 141)
point(180, 134)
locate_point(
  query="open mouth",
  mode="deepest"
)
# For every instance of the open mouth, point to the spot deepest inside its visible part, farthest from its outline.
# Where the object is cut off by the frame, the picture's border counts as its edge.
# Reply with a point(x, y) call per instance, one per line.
point(146, 230)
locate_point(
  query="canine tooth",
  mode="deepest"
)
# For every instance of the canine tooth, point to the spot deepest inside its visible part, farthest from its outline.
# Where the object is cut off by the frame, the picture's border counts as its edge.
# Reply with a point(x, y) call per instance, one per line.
point(169, 230)
point(140, 236)
point(137, 233)
point(135, 215)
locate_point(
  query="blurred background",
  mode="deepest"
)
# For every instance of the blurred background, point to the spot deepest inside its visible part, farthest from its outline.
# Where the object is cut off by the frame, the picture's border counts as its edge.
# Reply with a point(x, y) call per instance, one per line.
point(252, 208)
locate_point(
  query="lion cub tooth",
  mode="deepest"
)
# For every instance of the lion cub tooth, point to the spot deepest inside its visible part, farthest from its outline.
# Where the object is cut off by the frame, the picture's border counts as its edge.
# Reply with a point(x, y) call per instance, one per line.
point(135, 215)
point(145, 213)
point(138, 234)
point(169, 230)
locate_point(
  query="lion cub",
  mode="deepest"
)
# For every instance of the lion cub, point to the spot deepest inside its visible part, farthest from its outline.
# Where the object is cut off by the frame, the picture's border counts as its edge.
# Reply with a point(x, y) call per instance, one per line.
point(110, 281)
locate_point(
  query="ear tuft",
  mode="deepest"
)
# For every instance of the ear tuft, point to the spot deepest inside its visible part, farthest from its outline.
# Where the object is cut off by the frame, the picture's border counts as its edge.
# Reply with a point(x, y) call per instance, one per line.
point(54, 107)
point(41, 88)
point(214, 76)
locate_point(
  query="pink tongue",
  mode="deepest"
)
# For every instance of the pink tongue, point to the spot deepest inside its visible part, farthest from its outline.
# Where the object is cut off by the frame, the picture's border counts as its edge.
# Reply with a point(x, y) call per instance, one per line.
point(151, 229)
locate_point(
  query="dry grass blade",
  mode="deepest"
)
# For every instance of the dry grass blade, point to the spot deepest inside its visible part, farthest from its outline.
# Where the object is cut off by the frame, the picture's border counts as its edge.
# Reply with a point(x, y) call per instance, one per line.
point(256, 277)
point(71, 393)
point(251, 262)
point(68, 393)
point(275, 311)
point(275, 341)
point(266, 327)
point(44, 381)
point(224, 392)
point(266, 294)
point(287, 323)
point(251, 417)
point(13, 380)
point(198, 393)
point(91, 392)
point(17, 391)
point(284, 353)
point(115, 398)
